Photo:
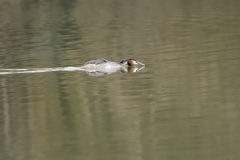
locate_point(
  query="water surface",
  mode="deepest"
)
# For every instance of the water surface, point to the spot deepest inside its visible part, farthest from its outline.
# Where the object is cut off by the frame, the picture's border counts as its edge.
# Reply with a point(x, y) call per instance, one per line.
point(183, 105)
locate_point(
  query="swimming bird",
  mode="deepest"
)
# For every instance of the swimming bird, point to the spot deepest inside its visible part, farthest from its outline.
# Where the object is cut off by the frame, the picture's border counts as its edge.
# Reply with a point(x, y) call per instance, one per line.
point(103, 67)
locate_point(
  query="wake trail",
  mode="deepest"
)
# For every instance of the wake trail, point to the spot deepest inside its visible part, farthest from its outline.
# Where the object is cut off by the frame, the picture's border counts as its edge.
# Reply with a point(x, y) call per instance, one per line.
point(38, 70)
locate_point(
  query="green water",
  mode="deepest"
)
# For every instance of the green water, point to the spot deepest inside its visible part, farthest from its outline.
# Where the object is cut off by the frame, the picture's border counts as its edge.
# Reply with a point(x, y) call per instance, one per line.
point(184, 105)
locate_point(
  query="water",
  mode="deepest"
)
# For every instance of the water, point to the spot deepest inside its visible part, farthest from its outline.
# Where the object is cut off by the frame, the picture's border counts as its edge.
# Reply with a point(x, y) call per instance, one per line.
point(183, 105)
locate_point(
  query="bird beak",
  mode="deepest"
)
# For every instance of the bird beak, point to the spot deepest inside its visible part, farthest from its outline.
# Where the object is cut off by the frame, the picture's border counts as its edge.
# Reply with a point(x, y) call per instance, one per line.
point(141, 63)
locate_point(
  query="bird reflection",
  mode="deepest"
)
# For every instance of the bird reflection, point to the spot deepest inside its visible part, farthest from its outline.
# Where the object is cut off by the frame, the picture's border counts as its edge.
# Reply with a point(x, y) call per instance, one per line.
point(121, 70)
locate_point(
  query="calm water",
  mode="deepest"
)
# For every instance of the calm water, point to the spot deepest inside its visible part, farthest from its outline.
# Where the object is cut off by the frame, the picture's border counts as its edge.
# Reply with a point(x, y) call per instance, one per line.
point(183, 105)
